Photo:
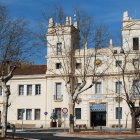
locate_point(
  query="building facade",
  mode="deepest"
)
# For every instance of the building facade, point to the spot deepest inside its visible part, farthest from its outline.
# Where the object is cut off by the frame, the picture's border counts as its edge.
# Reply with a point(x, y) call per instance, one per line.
point(44, 89)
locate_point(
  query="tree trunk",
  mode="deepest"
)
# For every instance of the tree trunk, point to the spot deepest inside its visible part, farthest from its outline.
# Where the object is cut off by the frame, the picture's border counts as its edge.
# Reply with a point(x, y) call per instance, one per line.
point(4, 116)
point(133, 127)
point(5, 110)
point(71, 117)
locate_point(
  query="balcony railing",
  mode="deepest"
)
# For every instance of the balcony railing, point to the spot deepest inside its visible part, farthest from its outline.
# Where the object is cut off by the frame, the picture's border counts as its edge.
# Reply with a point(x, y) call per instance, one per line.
point(58, 97)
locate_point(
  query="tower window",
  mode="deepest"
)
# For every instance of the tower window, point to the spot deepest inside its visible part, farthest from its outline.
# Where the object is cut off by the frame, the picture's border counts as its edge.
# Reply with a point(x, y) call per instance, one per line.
point(58, 65)
point(59, 49)
point(118, 63)
point(136, 43)
point(78, 65)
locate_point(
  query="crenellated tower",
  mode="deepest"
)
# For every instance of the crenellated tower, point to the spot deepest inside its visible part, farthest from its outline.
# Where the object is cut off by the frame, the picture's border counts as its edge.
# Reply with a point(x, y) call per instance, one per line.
point(62, 40)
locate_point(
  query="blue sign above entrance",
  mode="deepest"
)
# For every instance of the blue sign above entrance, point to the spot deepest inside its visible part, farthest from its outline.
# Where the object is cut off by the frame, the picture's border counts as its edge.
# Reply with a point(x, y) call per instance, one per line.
point(98, 107)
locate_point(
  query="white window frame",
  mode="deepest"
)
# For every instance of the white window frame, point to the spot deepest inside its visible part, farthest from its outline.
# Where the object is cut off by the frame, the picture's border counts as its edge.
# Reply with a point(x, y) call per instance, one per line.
point(20, 90)
point(29, 90)
point(118, 87)
point(37, 118)
point(117, 112)
point(37, 89)
point(20, 115)
point(29, 114)
point(98, 90)
point(58, 92)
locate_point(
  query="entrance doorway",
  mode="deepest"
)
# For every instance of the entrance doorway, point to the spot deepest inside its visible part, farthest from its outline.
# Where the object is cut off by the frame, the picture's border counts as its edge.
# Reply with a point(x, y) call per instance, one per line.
point(98, 115)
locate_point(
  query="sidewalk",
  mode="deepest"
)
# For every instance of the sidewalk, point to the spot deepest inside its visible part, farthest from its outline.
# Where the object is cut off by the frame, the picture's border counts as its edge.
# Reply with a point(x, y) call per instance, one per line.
point(98, 134)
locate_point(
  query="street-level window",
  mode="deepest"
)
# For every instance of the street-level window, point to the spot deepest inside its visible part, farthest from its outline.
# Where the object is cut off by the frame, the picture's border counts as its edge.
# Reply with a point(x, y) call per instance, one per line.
point(21, 89)
point(59, 49)
point(98, 87)
point(0, 90)
point(136, 43)
point(118, 87)
point(37, 114)
point(78, 113)
point(58, 112)
point(20, 114)
point(28, 114)
point(37, 89)
point(118, 112)
point(118, 63)
point(29, 89)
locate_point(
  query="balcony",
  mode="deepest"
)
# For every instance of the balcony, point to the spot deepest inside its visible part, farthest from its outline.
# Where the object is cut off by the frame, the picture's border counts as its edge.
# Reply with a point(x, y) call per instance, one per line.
point(58, 98)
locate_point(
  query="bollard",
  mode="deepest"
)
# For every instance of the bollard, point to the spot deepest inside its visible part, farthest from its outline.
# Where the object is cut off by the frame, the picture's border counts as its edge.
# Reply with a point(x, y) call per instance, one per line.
point(13, 130)
point(101, 128)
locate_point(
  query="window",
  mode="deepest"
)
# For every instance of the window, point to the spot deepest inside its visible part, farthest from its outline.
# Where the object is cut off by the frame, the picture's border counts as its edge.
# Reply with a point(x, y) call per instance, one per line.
point(118, 112)
point(118, 87)
point(0, 90)
point(37, 89)
point(78, 113)
point(78, 65)
point(58, 91)
point(58, 112)
point(20, 114)
point(58, 65)
point(59, 49)
point(136, 63)
point(115, 51)
point(118, 63)
point(29, 89)
point(136, 43)
point(21, 89)
point(28, 114)
point(136, 87)
point(37, 114)
point(98, 87)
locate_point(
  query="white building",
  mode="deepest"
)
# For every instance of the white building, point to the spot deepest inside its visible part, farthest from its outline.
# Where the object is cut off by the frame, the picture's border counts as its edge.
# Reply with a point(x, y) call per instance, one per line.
point(43, 88)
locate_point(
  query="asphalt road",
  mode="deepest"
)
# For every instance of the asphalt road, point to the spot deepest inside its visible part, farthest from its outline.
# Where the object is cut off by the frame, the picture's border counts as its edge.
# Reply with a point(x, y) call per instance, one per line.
point(50, 136)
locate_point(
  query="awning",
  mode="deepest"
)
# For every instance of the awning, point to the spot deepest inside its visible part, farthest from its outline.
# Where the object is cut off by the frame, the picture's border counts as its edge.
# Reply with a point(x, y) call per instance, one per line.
point(98, 107)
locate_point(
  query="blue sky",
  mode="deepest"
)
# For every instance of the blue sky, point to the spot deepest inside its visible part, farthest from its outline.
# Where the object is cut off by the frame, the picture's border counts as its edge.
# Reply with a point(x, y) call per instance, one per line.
point(103, 11)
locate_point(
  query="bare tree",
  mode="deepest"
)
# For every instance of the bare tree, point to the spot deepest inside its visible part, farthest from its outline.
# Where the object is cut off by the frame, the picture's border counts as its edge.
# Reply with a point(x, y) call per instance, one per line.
point(14, 36)
point(77, 64)
point(130, 76)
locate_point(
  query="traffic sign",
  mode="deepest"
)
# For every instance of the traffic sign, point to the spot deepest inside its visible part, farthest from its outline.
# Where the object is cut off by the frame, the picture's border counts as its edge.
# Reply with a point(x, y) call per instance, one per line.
point(45, 113)
point(64, 110)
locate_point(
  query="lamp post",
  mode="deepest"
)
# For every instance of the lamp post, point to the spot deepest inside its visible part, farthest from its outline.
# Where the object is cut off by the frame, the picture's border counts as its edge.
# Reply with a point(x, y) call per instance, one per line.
point(119, 108)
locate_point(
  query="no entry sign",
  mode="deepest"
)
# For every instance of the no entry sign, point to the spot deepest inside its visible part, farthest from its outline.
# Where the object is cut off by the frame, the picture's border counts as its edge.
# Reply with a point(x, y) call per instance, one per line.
point(65, 110)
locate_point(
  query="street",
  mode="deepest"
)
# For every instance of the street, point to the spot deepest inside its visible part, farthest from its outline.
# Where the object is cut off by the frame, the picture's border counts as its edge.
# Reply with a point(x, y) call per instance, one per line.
point(51, 136)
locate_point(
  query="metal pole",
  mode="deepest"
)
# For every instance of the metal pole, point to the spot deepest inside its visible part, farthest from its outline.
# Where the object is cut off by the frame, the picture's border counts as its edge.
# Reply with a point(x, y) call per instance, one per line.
point(22, 122)
point(45, 121)
point(64, 123)
point(119, 111)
